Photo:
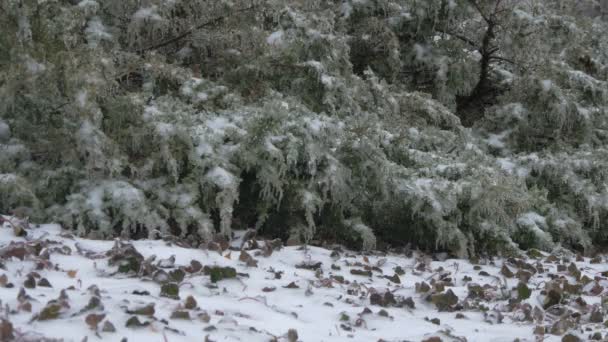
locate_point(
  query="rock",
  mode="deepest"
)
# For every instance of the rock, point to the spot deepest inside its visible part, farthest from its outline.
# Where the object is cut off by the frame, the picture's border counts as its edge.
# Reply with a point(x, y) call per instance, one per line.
point(554, 296)
point(6, 330)
point(561, 326)
point(538, 314)
point(180, 314)
point(126, 257)
point(475, 291)
point(249, 260)
point(572, 288)
point(177, 275)
point(594, 289)
point(134, 322)
point(3, 280)
point(147, 310)
point(445, 301)
point(44, 283)
point(596, 260)
point(50, 311)
point(574, 271)
point(523, 292)
point(190, 303)
point(433, 339)
point(581, 302)
point(436, 321)
point(108, 327)
point(194, 267)
point(93, 320)
point(204, 317)
point(524, 276)
point(551, 259)
point(395, 278)
point(141, 293)
point(422, 287)
point(291, 285)
point(597, 316)
point(361, 272)
point(338, 278)
point(539, 330)
point(534, 253)
point(218, 273)
point(409, 302)
point(460, 315)
point(309, 265)
point(571, 338)
point(384, 300)
point(169, 290)
point(505, 271)
point(597, 336)
point(399, 270)
point(292, 335)
point(30, 282)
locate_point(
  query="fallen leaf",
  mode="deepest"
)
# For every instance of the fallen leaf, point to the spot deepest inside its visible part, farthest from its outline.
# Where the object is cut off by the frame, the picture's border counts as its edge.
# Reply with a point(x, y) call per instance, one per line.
point(93, 320)
point(72, 273)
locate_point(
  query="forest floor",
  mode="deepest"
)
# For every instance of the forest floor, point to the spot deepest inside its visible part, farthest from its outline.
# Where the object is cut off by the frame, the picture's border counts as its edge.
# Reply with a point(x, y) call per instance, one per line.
point(54, 286)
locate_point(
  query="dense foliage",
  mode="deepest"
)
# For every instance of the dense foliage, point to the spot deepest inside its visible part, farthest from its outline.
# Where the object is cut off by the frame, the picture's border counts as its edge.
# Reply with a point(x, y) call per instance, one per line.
point(462, 125)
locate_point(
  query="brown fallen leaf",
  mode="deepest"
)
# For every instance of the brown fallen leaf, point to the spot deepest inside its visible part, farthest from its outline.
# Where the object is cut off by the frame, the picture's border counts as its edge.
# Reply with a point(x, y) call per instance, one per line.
point(3, 280)
point(6, 330)
point(72, 273)
point(93, 320)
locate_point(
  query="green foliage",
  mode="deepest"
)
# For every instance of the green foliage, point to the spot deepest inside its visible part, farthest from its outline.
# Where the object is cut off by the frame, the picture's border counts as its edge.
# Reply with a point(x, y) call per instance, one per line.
point(310, 120)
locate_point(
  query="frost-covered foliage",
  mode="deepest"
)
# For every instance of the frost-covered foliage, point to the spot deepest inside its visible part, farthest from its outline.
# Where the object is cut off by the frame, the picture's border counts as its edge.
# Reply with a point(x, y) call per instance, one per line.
point(460, 125)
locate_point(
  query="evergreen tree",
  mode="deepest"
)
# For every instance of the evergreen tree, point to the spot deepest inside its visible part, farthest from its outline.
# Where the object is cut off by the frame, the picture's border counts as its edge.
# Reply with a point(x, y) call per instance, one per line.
point(462, 125)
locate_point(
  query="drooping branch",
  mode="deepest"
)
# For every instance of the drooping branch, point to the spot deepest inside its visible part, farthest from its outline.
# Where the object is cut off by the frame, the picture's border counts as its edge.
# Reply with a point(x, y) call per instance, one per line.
point(192, 30)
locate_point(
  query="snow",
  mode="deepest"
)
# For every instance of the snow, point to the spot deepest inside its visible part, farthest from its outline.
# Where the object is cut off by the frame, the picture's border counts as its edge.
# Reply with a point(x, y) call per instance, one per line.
point(546, 85)
point(96, 32)
point(219, 125)
point(535, 222)
point(33, 66)
point(496, 140)
point(8, 178)
point(220, 177)
point(147, 13)
point(81, 98)
point(5, 131)
point(275, 38)
point(240, 310)
point(346, 9)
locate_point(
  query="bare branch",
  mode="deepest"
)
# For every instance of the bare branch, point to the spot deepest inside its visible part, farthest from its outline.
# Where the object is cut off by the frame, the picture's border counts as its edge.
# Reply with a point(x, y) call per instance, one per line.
point(461, 37)
point(480, 10)
point(503, 59)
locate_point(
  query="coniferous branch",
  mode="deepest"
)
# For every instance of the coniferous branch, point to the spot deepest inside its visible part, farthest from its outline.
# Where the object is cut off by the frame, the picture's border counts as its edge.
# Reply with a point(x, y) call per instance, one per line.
point(190, 31)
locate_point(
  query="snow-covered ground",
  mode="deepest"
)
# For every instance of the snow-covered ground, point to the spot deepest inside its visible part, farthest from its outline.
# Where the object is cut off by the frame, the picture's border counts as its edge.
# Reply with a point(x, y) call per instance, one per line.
point(323, 295)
